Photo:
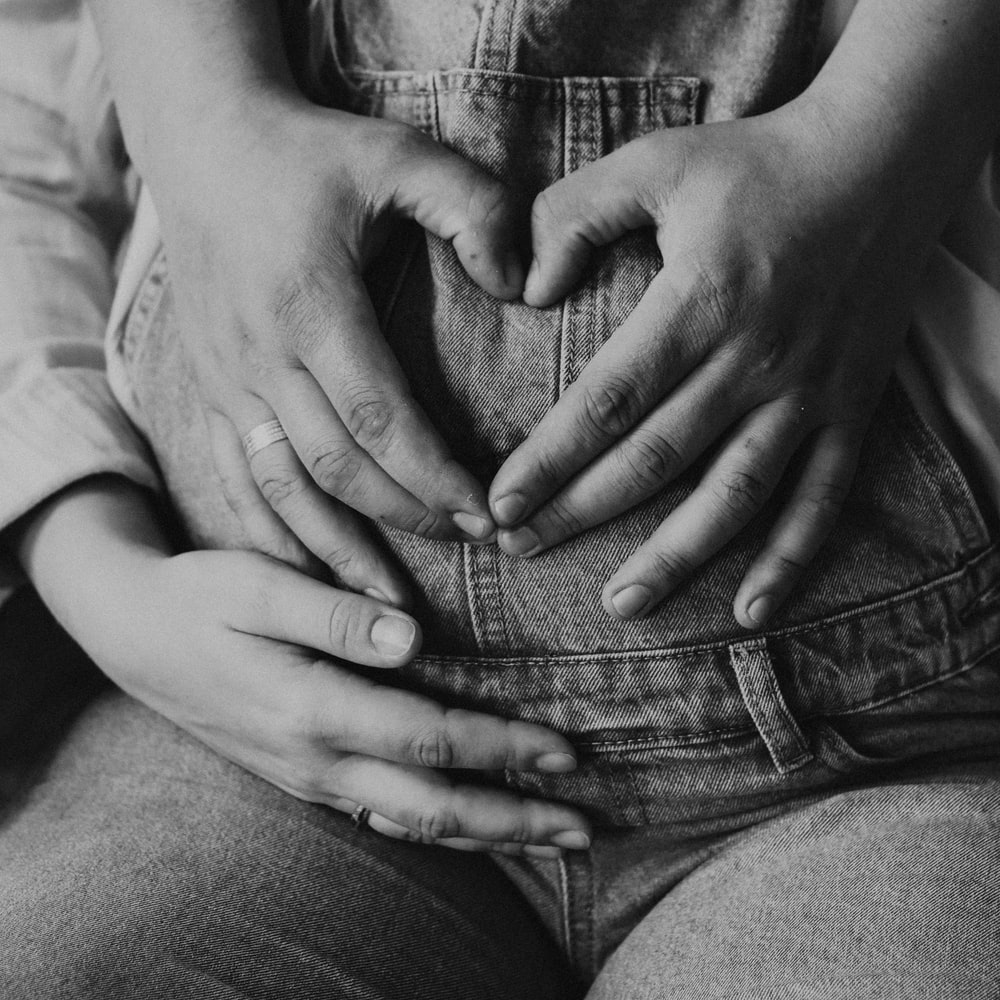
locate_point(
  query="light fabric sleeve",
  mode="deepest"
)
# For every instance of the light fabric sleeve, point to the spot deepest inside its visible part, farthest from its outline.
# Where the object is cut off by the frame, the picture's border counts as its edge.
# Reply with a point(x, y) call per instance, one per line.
point(64, 206)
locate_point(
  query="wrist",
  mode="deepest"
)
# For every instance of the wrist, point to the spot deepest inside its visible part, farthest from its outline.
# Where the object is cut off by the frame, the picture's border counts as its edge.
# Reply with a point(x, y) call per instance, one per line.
point(82, 548)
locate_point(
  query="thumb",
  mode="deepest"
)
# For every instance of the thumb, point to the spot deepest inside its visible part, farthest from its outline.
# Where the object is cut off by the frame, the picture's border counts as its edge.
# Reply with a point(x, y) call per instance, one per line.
point(454, 199)
point(590, 208)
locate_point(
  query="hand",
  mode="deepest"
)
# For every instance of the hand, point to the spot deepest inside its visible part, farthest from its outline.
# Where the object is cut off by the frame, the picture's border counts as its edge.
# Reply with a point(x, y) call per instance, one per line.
point(768, 335)
point(268, 235)
point(247, 655)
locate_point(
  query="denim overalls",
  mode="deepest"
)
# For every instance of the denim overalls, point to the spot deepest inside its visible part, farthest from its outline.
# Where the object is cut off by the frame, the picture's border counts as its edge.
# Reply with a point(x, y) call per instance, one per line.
point(881, 668)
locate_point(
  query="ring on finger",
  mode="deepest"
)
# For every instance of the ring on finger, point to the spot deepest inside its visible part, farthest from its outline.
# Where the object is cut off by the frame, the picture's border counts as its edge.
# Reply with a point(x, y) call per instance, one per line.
point(259, 437)
point(360, 817)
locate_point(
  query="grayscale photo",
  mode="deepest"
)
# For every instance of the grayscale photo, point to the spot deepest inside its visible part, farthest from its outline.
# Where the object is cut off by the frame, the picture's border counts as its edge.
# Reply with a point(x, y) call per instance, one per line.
point(499, 499)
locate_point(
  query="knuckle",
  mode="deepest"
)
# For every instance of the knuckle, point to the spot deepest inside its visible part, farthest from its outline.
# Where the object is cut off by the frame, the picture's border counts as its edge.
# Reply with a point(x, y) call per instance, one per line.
point(567, 520)
point(769, 353)
point(370, 418)
point(717, 302)
point(279, 488)
point(346, 625)
point(296, 311)
point(741, 493)
point(434, 749)
point(670, 567)
point(787, 566)
point(437, 823)
point(610, 408)
point(823, 503)
point(649, 459)
point(420, 520)
point(334, 466)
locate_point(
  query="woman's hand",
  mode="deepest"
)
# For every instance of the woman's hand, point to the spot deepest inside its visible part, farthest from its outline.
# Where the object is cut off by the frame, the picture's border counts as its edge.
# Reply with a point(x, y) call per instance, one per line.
point(248, 655)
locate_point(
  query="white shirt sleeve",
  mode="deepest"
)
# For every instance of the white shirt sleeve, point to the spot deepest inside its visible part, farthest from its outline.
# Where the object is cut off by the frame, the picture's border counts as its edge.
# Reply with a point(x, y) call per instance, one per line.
point(64, 206)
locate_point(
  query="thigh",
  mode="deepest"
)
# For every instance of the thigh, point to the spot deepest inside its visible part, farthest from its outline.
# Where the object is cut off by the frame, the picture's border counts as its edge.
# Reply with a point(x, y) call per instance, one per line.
point(877, 893)
point(145, 866)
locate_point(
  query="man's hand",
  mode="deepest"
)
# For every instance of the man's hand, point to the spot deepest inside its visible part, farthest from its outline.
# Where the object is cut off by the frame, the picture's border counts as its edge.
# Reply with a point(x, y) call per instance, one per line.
point(767, 336)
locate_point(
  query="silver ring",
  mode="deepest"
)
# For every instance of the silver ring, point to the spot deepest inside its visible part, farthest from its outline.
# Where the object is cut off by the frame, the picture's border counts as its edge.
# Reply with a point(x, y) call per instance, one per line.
point(360, 817)
point(261, 436)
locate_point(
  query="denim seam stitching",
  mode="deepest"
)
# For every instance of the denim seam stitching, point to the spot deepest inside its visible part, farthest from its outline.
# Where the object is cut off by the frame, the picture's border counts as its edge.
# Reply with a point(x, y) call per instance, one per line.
point(664, 742)
point(901, 695)
point(472, 596)
point(766, 704)
point(689, 652)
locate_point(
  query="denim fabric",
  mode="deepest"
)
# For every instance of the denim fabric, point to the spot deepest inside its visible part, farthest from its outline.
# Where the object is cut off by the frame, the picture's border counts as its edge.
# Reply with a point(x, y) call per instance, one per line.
point(146, 866)
point(866, 719)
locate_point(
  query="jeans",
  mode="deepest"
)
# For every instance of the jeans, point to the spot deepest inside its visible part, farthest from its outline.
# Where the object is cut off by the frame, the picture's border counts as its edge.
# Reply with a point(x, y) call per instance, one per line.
point(808, 812)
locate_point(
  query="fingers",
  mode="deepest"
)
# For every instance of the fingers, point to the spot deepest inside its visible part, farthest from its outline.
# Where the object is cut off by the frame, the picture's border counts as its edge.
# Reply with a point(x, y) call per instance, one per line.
point(802, 526)
point(350, 712)
point(282, 604)
point(340, 467)
point(390, 828)
point(733, 490)
point(331, 323)
point(639, 465)
point(457, 201)
point(426, 806)
point(328, 529)
point(590, 208)
point(266, 532)
point(654, 350)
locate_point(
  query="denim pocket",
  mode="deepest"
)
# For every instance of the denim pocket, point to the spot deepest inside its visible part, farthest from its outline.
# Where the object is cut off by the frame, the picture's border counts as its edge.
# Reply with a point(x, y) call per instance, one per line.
point(949, 719)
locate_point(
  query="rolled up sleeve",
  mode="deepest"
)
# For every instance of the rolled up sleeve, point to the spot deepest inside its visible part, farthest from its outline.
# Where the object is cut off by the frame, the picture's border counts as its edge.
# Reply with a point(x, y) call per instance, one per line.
point(64, 206)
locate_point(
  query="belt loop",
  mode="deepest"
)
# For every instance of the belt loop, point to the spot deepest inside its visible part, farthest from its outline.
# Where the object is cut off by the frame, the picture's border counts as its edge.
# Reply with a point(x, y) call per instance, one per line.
point(759, 686)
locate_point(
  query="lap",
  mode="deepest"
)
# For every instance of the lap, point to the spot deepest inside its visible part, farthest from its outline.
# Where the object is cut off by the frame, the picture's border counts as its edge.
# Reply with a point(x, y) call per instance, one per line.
point(144, 865)
point(876, 893)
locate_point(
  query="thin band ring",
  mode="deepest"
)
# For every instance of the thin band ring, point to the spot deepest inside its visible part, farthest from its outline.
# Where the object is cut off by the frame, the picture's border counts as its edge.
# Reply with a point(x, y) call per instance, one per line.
point(360, 817)
point(259, 437)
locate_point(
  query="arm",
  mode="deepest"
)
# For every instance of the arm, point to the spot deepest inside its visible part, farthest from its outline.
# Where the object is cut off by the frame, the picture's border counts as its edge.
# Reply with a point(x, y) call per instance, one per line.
point(214, 641)
point(271, 303)
point(792, 245)
point(246, 654)
point(64, 207)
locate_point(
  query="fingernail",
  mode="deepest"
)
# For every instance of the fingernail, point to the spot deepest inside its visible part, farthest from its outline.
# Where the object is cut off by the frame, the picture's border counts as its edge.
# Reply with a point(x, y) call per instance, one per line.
point(513, 271)
point(474, 526)
point(510, 509)
point(761, 609)
point(377, 595)
point(572, 840)
point(392, 635)
point(557, 763)
point(523, 542)
point(632, 600)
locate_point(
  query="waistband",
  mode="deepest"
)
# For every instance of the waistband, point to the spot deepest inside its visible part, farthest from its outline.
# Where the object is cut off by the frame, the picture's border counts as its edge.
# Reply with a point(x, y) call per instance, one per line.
point(844, 663)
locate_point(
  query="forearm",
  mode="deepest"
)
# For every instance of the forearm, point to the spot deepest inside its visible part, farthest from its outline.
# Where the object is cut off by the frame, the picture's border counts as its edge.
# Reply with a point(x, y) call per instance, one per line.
point(179, 66)
point(83, 544)
point(914, 90)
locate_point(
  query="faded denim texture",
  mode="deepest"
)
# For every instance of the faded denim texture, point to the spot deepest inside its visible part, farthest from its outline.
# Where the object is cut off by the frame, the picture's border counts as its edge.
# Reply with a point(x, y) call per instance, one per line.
point(807, 811)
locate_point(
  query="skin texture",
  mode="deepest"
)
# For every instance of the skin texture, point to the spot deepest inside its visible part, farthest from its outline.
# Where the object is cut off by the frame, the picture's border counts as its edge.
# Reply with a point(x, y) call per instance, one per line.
point(247, 654)
point(791, 244)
